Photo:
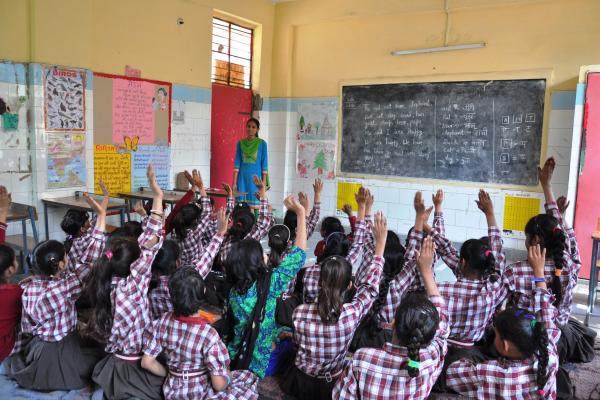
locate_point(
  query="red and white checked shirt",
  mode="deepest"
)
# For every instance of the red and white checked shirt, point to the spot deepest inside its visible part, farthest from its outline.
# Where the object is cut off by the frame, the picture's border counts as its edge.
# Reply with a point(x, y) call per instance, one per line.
point(471, 303)
point(160, 299)
point(381, 374)
point(510, 379)
point(129, 296)
point(322, 346)
point(192, 345)
point(518, 275)
point(191, 244)
point(312, 273)
point(259, 230)
point(438, 225)
point(213, 227)
point(49, 302)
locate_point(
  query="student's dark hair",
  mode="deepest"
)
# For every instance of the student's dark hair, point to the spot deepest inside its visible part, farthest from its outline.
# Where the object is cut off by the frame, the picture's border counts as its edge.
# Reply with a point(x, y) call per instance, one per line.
point(291, 221)
point(334, 278)
point(336, 244)
point(7, 259)
point(46, 257)
point(116, 261)
point(485, 240)
point(330, 225)
point(244, 264)
point(71, 224)
point(279, 236)
point(165, 262)
point(479, 259)
point(242, 222)
point(257, 122)
point(551, 237)
point(133, 229)
point(186, 218)
point(517, 326)
point(188, 291)
point(394, 262)
point(415, 324)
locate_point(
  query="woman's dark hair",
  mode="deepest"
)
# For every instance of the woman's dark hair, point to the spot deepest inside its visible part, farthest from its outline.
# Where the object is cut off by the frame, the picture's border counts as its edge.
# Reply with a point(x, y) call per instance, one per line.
point(188, 292)
point(330, 225)
point(415, 324)
point(71, 224)
point(334, 278)
point(479, 259)
point(244, 264)
point(291, 221)
point(165, 262)
point(242, 222)
point(336, 244)
point(551, 237)
point(279, 236)
point(46, 257)
point(133, 229)
point(521, 328)
point(394, 262)
point(186, 218)
point(116, 261)
point(257, 122)
point(7, 259)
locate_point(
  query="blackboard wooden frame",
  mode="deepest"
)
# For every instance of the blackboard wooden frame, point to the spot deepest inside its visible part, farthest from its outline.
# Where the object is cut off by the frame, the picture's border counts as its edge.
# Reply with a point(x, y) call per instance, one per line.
point(440, 78)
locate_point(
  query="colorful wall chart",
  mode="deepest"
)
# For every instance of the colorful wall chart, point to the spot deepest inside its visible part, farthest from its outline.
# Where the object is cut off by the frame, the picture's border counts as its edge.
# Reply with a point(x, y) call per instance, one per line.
point(66, 160)
point(64, 99)
point(317, 121)
point(315, 159)
point(160, 158)
point(113, 167)
point(345, 194)
point(518, 210)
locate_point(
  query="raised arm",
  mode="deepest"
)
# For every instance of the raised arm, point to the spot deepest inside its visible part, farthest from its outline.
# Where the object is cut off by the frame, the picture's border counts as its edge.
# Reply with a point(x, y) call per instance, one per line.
point(230, 202)
point(204, 262)
point(97, 240)
point(542, 298)
point(444, 246)
point(359, 238)
point(562, 205)
point(485, 204)
point(313, 217)
point(265, 217)
point(186, 199)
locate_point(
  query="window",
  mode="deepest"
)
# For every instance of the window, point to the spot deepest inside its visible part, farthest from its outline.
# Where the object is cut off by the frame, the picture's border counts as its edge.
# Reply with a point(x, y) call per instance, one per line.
point(231, 54)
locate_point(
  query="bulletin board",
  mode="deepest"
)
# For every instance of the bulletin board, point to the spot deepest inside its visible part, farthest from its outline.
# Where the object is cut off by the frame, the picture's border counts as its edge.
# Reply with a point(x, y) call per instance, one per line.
point(132, 128)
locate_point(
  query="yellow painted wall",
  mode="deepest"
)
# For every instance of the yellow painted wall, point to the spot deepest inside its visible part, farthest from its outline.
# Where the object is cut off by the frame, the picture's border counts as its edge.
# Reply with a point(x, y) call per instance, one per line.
point(317, 44)
point(106, 35)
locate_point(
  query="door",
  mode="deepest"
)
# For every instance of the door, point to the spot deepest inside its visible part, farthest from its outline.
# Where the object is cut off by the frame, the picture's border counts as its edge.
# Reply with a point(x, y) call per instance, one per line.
point(587, 206)
point(231, 108)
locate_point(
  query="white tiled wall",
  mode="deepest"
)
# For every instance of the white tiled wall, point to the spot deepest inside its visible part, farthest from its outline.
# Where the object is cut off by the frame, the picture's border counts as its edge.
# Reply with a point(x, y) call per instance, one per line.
point(462, 217)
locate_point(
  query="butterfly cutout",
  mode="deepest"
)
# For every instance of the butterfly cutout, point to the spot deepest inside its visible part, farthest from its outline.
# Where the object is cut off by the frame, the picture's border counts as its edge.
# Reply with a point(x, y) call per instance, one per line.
point(130, 144)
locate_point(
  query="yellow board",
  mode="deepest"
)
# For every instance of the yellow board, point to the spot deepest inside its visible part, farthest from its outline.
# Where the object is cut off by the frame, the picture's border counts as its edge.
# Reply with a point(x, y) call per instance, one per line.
point(518, 210)
point(113, 168)
point(345, 194)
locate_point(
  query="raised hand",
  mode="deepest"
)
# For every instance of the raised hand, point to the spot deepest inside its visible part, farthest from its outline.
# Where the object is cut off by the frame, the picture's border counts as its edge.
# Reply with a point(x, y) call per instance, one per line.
point(222, 221)
point(197, 178)
point(370, 201)
point(138, 208)
point(152, 181)
point(545, 173)
point(438, 199)
point(380, 231)
point(105, 194)
point(227, 189)
point(99, 208)
point(291, 203)
point(5, 199)
point(422, 213)
point(261, 185)
point(563, 204)
point(347, 209)
point(484, 203)
point(303, 199)
point(318, 188)
point(425, 257)
point(536, 256)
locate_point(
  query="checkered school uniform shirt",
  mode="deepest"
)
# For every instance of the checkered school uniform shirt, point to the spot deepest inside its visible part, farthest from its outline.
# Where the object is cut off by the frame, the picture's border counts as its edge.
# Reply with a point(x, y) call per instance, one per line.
point(129, 296)
point(471, 304)
point(438, 225)
point(322, 346)
point(312, 274)
point(518, 275)
point(510, 379)
point(49, 302)
point(160, 298)
point(80, 245)
point(192, 345)
point(259, 230)
point(191, 244)
point(212, 227)
point(381, 374)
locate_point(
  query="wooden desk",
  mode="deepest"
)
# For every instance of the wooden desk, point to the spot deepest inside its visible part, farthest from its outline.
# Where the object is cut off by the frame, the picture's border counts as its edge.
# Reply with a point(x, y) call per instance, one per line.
point(170, 197)
point(78, 203)
point(593, 284)
point(215, 192)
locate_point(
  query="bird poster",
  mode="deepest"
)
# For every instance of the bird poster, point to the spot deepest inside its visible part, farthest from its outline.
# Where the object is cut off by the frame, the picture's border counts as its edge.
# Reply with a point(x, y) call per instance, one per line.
point(64, 99)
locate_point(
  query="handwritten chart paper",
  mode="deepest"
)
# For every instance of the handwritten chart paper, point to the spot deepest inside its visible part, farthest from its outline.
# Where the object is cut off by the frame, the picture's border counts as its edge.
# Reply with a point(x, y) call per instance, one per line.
point(113, 168)
point(66, 160)
point(345, 194)
point(64, 99)
point(518, 210)
point(132, 111)
point(159, 156)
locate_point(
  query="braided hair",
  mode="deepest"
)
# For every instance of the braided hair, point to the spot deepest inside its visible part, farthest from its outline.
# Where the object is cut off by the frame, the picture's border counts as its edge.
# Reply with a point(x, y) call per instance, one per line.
point(479, 259)
point(279, 236)
point(415, 324)
point(529, 335)
point(546, 229)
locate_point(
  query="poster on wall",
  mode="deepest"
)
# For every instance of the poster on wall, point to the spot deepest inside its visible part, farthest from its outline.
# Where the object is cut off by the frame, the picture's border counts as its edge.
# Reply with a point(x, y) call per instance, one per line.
point(159, 157)
point(133, 110)
point(113, 167)
point(66, 160)
point(64, 99)
point(315, 159)
point(317, 121)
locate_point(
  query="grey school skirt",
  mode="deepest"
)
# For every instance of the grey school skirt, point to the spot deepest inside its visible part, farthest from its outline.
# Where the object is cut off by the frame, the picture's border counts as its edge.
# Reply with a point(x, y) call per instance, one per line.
point(63, 365)
point(120, 379)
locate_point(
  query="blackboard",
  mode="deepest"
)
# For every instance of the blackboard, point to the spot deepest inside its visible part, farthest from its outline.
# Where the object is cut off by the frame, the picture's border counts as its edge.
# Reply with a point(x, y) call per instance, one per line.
point(477, 131)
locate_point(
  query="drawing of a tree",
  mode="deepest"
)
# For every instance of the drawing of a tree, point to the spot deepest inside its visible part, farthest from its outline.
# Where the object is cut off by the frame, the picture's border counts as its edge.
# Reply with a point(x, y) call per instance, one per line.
point(320, 162)
point(301, 123)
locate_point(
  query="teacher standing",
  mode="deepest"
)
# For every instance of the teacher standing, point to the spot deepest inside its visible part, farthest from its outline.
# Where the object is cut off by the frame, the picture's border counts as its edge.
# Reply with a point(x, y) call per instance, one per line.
point(251, 160)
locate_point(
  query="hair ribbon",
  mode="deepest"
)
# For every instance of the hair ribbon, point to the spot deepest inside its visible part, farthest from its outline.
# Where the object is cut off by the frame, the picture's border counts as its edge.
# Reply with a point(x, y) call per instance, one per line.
point(487, 253)
point(414, 364)
point(108, 254)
